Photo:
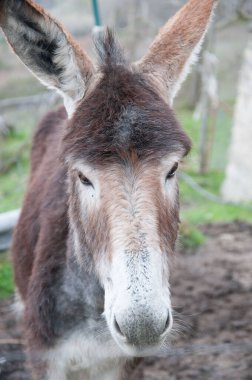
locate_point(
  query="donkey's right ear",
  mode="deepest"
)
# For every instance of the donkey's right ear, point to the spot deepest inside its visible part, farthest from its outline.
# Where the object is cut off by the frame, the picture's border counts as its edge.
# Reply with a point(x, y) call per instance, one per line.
point(46, 49)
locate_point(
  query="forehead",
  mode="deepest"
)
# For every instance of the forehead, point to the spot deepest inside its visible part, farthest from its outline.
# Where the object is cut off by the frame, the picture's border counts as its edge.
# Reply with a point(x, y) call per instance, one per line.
point(123, 114)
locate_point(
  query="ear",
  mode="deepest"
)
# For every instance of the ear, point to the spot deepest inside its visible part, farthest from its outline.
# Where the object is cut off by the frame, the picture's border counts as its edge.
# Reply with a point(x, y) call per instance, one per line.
point(46, 49)
point(177, 45)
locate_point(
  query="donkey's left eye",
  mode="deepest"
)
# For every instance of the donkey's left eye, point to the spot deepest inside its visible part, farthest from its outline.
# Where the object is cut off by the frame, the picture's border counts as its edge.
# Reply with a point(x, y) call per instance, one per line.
point(84, 180)
point(172, 171)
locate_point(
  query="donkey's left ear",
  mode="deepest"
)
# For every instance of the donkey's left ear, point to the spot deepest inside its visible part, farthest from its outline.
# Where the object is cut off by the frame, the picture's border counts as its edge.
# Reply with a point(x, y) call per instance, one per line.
point(177, 45)
point(46, 49)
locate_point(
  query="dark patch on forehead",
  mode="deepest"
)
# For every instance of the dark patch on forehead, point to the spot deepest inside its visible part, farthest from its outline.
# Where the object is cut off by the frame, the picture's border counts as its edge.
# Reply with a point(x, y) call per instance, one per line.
point(121, 115)
point(125, 126)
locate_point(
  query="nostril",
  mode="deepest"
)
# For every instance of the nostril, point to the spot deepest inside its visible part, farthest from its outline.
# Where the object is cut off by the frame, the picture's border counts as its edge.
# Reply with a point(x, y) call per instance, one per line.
point(117, 327)
point(167, 323)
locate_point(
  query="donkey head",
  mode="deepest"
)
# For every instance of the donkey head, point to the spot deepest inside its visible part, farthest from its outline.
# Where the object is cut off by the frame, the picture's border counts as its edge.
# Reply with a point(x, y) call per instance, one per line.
point(122, 147)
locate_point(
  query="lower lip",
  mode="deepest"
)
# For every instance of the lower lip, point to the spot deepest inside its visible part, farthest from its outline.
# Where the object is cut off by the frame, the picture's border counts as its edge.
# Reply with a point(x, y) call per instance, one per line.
point(137, 351)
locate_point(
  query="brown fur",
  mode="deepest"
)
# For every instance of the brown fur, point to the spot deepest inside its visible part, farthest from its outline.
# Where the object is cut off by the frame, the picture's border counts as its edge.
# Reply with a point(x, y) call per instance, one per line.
point(154, 130)
point(43, 168)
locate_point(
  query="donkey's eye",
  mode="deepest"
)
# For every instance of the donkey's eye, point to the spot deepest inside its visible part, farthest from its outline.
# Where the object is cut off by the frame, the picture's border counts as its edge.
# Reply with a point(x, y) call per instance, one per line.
point(84, 180)
point(172, 171)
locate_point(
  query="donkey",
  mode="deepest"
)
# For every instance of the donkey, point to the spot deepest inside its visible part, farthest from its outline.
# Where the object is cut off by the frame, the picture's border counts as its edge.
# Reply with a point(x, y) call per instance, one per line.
point(100, 218)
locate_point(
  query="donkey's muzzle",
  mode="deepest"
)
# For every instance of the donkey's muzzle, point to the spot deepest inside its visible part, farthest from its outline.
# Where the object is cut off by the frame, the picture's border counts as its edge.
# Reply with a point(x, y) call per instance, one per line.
point(142, 328)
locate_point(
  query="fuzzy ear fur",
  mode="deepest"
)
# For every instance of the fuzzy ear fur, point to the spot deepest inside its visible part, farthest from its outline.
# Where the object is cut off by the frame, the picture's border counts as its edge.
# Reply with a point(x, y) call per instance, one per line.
point(177, 45)
point(46, 49)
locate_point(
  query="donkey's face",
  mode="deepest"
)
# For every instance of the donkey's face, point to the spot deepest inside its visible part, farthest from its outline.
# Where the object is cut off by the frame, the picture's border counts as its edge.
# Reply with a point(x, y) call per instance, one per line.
point(122, 146)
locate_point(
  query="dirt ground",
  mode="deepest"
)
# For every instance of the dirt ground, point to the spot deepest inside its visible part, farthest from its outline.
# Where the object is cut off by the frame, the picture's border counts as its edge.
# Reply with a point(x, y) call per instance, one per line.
point(212, 296)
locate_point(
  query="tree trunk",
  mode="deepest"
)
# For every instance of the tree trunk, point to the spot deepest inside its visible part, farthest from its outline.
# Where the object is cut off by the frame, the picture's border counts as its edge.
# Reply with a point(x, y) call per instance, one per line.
point(237, 186)
point(208, 102)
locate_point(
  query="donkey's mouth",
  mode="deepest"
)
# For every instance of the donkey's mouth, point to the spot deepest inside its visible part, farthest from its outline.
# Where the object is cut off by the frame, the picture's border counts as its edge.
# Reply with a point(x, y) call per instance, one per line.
point(140, 350)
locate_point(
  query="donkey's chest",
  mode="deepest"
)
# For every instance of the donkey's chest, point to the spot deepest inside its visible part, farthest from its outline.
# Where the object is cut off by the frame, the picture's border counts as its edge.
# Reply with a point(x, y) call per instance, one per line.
point(85, 340)
point(89, 347)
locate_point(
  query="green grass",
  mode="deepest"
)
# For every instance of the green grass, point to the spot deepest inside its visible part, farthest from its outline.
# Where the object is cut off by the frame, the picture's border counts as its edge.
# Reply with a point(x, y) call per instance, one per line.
point(192, 127)
point(13, 182)
point(6, 277)
point(221, 137)
point(196, 209)
point(211, 213)
point(191, 237)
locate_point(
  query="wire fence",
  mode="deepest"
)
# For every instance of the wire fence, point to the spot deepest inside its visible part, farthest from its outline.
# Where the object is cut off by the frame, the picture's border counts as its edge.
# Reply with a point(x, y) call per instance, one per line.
point(17, 357)
point(47, 98)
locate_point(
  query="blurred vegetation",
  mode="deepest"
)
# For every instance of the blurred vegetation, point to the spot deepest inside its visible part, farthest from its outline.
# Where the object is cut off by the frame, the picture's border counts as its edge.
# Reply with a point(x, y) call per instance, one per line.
point(190, 236)
point(14, 163)
point(6, 276)
point(196, 209)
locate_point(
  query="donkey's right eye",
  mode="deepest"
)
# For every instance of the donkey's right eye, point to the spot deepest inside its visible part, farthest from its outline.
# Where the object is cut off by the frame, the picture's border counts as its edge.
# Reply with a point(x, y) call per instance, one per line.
point(84, 180)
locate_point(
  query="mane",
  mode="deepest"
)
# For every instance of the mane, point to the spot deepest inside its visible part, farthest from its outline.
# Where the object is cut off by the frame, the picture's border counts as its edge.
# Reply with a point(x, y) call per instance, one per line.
point(109, 51)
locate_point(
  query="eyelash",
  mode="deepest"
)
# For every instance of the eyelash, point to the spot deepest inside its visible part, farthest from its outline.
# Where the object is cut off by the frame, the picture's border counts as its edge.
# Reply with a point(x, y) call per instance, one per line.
point(84, 180)
point(172, 172)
